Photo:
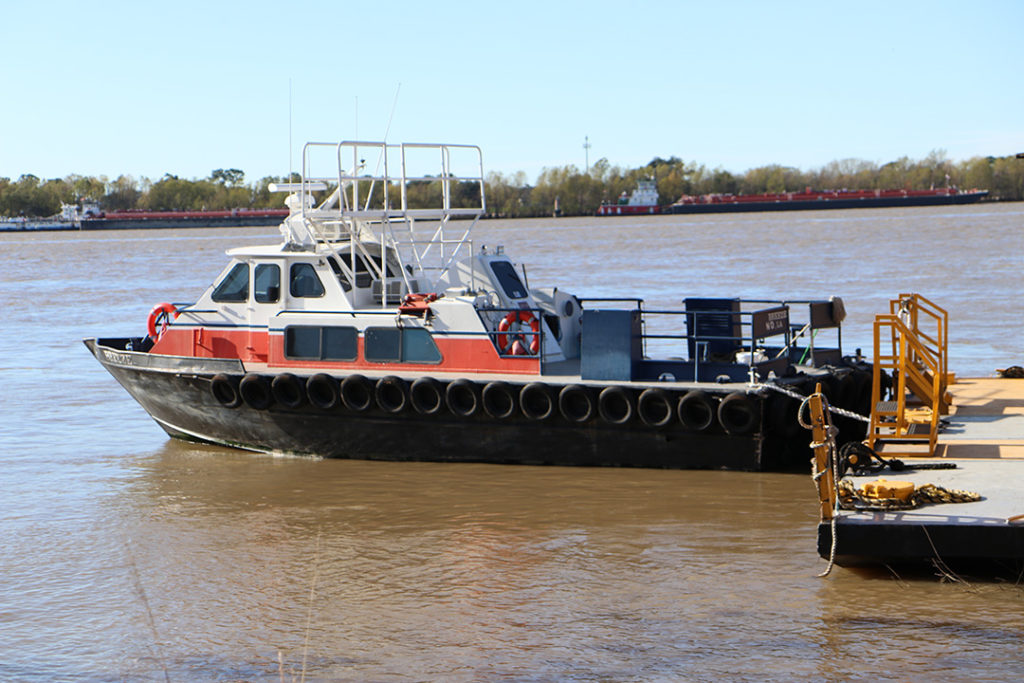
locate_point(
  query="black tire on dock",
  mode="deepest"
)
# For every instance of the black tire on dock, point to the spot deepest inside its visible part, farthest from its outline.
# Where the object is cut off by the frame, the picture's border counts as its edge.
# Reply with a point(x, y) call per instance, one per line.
point(288, 390)
point(425, 396)
point(536, 402)
point(655, 407)
point(739, 413)
point(225, 390)
point(499, 400)
point(575, 403)
point(615, 405)
point(322, 391)
point(696, 411)
point(462, 397)
point(356, 393)
point(390, 394)
point(255, 391)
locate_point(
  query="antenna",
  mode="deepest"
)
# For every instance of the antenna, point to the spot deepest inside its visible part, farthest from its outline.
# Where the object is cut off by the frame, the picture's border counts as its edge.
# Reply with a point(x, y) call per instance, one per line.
point(290, 167)
point(586, 148)
point(394, 105)
point(384, 148)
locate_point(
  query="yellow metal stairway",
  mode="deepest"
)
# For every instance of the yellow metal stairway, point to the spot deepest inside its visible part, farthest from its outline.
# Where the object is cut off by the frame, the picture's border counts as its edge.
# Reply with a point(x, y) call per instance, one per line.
point(916, 356)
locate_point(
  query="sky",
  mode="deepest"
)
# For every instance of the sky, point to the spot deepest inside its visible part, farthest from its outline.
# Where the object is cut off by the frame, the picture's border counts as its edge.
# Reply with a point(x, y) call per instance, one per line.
point(145, 89)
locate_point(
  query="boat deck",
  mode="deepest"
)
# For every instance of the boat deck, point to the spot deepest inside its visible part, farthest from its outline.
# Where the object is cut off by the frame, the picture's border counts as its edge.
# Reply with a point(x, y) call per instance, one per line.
point(984, 437)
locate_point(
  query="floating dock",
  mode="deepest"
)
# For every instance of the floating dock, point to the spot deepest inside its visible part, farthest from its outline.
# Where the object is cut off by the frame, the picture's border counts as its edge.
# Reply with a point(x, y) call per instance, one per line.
point(983, 434)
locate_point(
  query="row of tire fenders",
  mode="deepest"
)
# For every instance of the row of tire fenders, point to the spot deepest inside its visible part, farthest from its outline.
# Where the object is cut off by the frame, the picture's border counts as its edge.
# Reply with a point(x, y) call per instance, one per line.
point(738, 413)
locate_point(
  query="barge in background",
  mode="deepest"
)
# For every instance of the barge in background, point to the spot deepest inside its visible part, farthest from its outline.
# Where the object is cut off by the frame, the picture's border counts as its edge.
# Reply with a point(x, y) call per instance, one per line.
point(91, 218)
point(811, 200)
point(141, 220)
point(377, 330)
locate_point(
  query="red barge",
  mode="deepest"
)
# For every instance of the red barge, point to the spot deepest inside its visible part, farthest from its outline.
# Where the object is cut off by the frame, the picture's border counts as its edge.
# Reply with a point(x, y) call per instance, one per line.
point(826, 199)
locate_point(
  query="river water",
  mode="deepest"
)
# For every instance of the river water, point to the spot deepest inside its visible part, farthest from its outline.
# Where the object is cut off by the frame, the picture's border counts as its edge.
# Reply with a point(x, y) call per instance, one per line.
point(128, 556)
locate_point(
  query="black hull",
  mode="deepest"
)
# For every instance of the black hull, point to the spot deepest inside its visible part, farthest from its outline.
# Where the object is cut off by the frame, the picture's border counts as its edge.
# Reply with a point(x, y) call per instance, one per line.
point(824, 204)
point(951, 543)
point(177, 393)
point(167, 223)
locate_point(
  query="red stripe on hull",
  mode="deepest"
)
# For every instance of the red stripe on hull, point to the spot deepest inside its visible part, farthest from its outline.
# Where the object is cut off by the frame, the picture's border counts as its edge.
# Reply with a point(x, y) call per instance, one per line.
point(466, 356)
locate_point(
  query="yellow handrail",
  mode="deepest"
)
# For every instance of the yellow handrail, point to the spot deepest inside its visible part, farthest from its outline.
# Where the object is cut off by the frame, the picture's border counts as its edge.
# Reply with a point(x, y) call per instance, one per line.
point(918, 360)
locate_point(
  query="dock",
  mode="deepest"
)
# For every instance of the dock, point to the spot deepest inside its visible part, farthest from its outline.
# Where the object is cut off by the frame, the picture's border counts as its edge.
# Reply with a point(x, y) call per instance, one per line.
point(983, 435)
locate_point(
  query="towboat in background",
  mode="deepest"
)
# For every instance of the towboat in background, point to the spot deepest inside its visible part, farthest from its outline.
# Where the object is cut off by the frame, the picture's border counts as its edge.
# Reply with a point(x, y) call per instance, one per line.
point(643, 200)
point(377, 329)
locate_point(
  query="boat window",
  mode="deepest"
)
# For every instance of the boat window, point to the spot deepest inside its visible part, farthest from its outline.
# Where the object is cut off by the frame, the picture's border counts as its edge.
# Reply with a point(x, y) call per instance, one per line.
point(418, 346)
point(234, 287)
point(400, 345)
point(267, 283)
point(304, 281)
point(509, 279)
point(338, 273)
point(302, 342)
point(364, 274)
point(308, 342)
point(383, 344)
point(340, 343)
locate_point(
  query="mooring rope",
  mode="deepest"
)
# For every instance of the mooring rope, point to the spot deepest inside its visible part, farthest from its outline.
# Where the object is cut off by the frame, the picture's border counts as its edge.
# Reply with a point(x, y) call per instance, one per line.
point(833, 463)
point(800, 397)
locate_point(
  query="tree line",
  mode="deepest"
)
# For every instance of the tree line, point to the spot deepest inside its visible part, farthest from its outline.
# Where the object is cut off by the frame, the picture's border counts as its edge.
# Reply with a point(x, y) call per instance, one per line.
point(577, 192)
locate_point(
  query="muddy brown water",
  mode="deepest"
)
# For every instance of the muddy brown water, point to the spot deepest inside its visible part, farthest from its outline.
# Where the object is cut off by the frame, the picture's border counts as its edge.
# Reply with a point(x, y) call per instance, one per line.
point(128, 556)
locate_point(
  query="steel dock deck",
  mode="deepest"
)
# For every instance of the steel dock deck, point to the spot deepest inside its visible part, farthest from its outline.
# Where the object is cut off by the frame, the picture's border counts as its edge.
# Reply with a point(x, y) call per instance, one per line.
point(984, 436)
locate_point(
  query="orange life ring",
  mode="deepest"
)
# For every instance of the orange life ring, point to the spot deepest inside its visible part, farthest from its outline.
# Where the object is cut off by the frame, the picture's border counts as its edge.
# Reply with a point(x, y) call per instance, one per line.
point(506, 341)
point(161, 314)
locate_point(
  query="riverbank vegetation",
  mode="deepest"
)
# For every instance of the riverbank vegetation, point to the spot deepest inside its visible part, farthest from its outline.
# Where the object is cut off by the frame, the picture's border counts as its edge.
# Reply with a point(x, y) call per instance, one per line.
point(577, 192)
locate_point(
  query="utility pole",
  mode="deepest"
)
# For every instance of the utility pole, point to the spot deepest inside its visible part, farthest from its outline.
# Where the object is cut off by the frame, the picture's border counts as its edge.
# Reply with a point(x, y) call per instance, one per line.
point(586, 149)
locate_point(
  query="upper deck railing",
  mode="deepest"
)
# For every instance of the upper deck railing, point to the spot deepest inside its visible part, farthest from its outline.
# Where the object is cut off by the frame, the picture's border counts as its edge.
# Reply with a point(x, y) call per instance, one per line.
point(373, 200)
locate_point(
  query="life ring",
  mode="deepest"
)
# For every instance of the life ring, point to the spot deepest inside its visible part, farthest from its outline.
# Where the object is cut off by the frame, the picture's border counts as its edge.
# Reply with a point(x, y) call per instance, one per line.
point(255, 391)
point(322, 391)
point(425, 396)
point(575, 403)
point(615, 405)
point(696, 411)
point(655, 407)
point(390, 394)
point(499, 400)
point(739, 414)
point(225, 390)
point(462, 397)
point(507, 341)
point(288, 390)
point(535, 401)
point(160, 315)
point(356, 393)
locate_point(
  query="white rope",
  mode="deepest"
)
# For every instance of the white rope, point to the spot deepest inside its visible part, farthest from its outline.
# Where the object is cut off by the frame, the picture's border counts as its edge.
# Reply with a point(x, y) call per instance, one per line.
point(830, 442)
point(800, 397)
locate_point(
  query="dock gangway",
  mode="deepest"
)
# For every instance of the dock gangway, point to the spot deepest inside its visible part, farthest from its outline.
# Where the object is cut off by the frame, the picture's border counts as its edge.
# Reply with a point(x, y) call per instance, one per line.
point(916, 354)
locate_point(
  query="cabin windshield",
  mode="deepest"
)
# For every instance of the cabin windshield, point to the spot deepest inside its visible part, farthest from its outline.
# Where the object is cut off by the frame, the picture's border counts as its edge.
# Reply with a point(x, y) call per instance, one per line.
point(234, 288)
point(304, 281)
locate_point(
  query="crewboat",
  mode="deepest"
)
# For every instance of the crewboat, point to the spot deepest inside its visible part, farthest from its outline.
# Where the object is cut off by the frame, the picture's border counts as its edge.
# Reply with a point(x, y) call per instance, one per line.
point(378, 329)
